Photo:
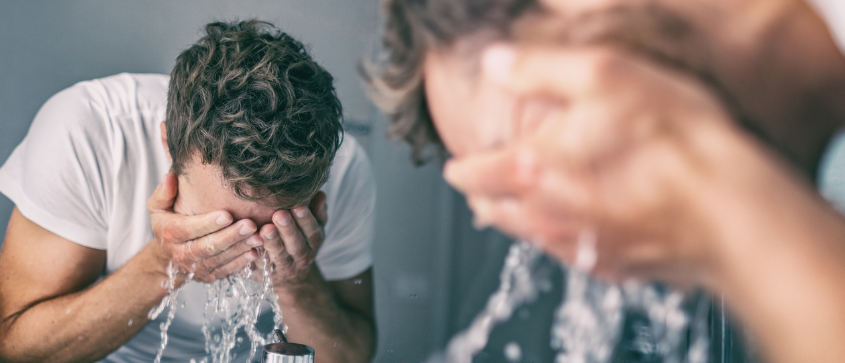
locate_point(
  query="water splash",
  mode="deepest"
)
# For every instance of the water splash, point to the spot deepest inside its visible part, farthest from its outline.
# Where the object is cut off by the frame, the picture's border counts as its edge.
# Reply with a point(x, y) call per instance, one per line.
point(235, 304)
point(168, 301)
point(588, 323)
point(517, 287)
point(232, 304)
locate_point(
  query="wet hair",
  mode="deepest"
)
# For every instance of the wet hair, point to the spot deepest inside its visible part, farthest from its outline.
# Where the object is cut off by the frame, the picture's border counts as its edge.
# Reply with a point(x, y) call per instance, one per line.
point(249, 99)
point(413, 28)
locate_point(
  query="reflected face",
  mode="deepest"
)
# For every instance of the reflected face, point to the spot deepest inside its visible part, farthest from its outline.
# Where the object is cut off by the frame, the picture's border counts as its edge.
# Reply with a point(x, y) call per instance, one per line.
point(202, 189)
point(469, 112)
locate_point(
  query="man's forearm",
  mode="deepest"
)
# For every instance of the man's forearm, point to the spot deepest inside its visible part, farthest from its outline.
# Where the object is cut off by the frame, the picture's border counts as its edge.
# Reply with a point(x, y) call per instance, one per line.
point(315, 318)
point(87, 325)
point(781, 263)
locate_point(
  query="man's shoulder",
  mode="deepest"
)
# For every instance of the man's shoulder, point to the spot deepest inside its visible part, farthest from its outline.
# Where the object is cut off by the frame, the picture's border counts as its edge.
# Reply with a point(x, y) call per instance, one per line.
point(350, 155)
point(96, 108)
point(121, 93)
point(351, 173)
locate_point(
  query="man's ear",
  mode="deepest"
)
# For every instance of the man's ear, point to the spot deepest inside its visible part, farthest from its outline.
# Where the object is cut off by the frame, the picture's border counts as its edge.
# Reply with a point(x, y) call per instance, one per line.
point(164, 140)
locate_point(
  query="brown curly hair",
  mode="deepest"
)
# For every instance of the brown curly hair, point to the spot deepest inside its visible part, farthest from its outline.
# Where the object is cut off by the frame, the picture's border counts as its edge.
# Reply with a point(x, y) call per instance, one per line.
point(249, 99)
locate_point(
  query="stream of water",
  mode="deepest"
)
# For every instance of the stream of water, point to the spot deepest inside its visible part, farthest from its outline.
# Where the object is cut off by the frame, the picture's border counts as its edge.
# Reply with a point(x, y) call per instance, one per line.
point(588, 323)
point(233, 304)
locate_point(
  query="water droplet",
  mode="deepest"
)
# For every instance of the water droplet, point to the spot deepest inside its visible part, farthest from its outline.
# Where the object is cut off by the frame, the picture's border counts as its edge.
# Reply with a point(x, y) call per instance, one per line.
point(163, 284)
point(130, 322)
point(184, 305)
point(240, 339)
point(67, 311)
point(513, 352)
point(358, 281)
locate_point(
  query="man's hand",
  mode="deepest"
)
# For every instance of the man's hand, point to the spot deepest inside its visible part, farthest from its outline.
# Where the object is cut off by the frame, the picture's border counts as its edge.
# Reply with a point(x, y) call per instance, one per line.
point(209, 245)
point(292, 241)
point(625, 153)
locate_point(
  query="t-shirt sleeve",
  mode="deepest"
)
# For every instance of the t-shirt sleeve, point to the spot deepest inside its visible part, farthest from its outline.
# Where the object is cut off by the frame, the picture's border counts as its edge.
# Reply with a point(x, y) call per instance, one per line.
point(351, 198)
point(55, 176)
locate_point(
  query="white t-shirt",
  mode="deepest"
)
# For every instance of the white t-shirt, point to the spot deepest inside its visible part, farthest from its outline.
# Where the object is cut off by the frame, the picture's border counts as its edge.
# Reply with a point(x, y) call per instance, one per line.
point(93, 156)
point(833, 11)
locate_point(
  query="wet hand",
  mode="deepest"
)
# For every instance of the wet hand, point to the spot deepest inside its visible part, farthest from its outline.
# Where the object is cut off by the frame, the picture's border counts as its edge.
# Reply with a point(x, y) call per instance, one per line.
point(209, 245)
point(292, 241)
point(626, 152)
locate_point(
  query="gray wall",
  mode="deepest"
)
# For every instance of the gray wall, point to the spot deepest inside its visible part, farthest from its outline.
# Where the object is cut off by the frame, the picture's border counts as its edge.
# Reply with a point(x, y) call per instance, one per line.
point(433, 272)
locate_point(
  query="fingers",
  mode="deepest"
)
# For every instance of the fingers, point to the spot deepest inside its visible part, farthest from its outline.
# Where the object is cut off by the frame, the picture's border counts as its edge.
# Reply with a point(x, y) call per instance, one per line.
point(502, 172)
point(318, 207)
point(229, 254)
point(173, 227)
point(164, 195)
point(213, 243)
point(290, 239)
point(569, 7)
point(528, 70)
point(309, 226)
point(234, 266)
point(176, 228)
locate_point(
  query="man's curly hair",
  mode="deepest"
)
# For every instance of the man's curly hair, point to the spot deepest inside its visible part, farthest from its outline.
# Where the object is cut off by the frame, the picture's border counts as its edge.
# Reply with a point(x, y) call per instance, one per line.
point(249, 99)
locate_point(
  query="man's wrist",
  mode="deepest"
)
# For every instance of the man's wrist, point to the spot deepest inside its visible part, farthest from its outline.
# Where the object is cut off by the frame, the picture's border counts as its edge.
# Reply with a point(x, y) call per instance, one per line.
point(306, 289)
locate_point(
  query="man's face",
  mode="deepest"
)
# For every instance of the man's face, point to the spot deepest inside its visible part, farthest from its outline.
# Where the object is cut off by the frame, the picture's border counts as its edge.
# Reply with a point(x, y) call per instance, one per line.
point(470, 114)
point(202, 189)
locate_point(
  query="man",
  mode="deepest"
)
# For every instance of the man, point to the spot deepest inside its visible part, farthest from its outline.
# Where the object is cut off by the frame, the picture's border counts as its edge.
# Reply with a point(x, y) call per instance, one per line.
point(250, 160)
point(619, 120)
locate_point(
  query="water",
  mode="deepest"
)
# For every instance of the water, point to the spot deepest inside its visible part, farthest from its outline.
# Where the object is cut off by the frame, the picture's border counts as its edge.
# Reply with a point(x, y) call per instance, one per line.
point(588, 323)
point(233, 305)
point(168, 301)
point(517, 287)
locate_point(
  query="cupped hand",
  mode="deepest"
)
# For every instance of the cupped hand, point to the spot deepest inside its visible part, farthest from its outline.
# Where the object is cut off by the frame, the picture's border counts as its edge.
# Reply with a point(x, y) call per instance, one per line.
point(626, 153)
point(209, 245)
point(292, 241)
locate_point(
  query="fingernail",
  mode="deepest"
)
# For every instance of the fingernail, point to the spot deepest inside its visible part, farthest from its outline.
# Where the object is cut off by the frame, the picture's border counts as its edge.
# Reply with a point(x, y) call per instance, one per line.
point(479, 222)
point(498, 61)
point(299, 212)
point(270, 235)
point(482, 212)
point(284, 220)
point(246, 229)
point(449, 173)
point(223, 220)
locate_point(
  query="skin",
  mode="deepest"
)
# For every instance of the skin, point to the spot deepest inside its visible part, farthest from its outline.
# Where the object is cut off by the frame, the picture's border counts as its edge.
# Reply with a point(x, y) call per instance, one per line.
point(630, 156)
point(201, 226)
point(770, 61)
point(550, 141)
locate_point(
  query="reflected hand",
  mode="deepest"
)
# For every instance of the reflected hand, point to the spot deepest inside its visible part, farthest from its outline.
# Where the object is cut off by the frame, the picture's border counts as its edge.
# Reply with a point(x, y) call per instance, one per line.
point(292, 241)
point(626, 152)
point(210, 245)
